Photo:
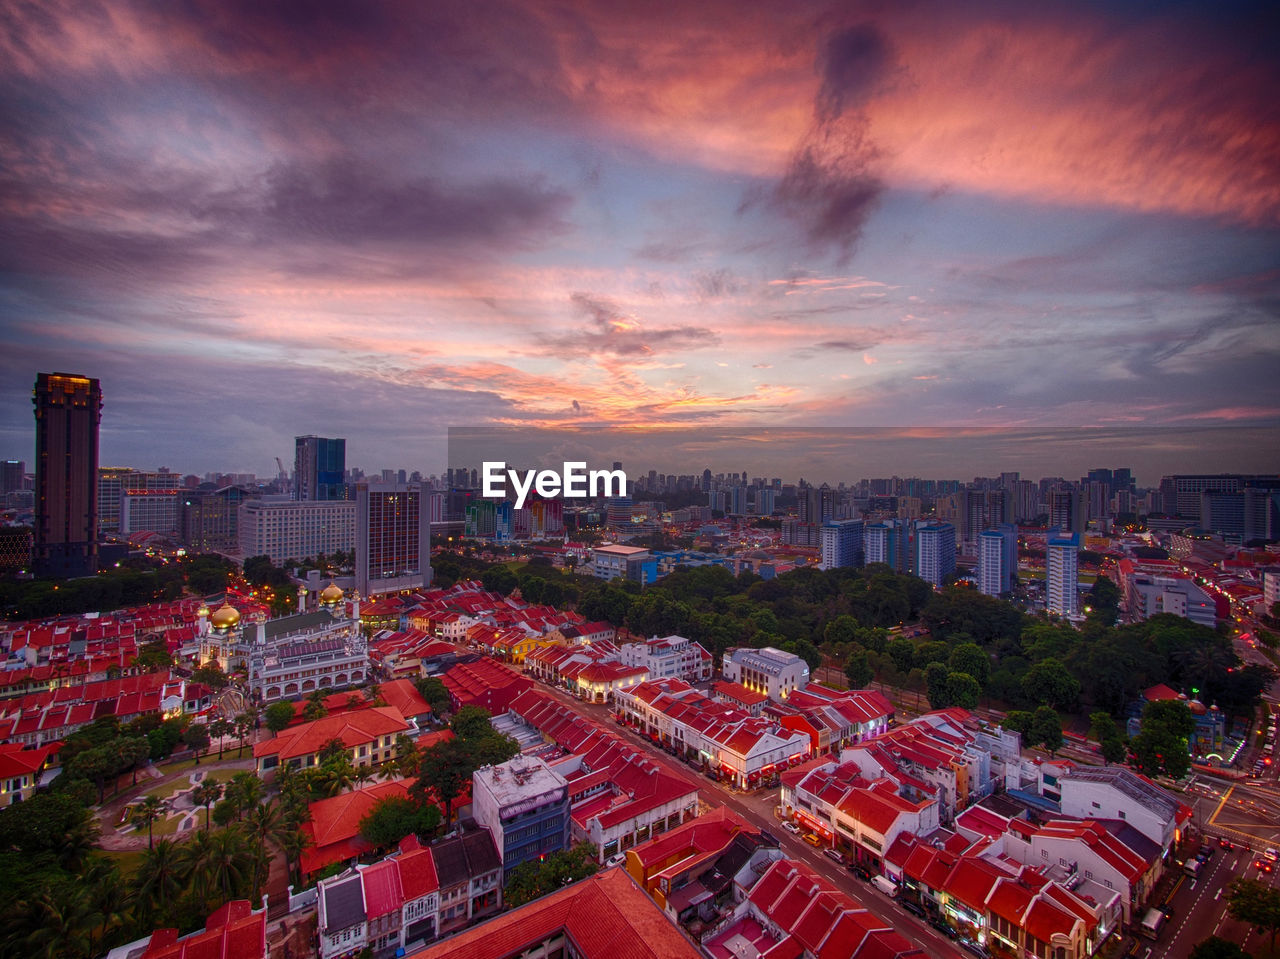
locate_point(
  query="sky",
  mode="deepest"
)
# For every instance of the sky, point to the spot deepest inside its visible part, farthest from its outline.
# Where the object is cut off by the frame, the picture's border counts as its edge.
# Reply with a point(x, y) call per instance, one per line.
point(380, 220)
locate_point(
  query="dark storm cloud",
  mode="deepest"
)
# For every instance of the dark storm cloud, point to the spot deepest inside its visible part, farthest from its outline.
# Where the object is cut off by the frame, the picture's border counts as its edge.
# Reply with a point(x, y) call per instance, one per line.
point(831, 185)
point(864, 343)
point(614, 333)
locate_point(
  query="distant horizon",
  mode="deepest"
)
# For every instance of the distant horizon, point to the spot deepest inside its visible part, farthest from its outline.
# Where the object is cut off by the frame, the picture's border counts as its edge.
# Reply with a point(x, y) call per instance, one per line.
point(817, 455)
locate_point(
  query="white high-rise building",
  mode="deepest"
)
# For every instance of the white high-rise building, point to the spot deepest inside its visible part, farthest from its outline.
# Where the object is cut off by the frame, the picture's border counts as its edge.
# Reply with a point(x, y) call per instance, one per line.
point(842, 543)
point(287, 529)
point(1062, 574)
point(935, 551)
point(886, 543)
point(997, 559)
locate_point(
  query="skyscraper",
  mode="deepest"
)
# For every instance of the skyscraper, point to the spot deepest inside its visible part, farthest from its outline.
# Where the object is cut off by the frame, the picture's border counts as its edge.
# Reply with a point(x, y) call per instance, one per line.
point(393, 538)
point(1062, 573)
point(319, 465)
point(68, 409)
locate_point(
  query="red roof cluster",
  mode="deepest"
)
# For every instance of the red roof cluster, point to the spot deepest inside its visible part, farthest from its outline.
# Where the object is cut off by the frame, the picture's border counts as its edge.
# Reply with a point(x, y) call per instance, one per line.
point(233, 932)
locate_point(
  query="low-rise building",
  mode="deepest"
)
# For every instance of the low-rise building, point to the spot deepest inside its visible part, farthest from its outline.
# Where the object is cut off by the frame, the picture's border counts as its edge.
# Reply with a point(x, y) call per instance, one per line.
point(369, 736)
point(768, 670)
point(525, 806)
point(1113, 792)
point(234, 929)
point(470, 873)
point(668, 657)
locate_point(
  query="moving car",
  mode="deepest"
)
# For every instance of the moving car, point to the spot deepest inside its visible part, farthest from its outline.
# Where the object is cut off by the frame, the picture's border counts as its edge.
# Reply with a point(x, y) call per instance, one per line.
point(791, 828)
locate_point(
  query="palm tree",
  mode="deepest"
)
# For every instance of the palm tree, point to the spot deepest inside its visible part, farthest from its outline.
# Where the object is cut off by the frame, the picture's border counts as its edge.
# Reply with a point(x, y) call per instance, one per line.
point(147, 811)
point(206, 794)
point(292, 841)
point(62, 923)
point(219, 728)
point(245, 790)
point(159, 880)
point(265, 826)
point(365, 774)
point(100, 884)
point(226, 863)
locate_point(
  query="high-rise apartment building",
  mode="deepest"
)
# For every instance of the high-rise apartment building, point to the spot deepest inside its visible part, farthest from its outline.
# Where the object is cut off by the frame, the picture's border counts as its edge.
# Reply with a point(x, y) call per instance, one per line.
point(393, 538)
point(319, 465)
point(935, 551)
point(842, 543)
point(997, 559)
point(1062, 573)
point(68, 410)
point(886, 543)
point(13, 474)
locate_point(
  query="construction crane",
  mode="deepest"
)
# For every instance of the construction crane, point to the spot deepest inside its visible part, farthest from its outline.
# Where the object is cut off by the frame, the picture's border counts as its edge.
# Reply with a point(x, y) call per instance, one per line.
point(283, 473)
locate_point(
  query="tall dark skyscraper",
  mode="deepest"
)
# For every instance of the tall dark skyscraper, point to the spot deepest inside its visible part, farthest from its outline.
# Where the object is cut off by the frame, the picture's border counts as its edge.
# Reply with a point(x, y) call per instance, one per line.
point(319, 466)
point(68, 409)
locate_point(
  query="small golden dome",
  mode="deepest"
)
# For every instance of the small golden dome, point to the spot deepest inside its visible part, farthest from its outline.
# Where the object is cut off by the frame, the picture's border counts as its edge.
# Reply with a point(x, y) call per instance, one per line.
point(225, 617)
point(203, 610)
point(331, 595)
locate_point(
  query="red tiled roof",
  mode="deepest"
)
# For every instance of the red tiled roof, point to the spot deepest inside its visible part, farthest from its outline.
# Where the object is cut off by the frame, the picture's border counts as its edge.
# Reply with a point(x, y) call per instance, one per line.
point(382, 890)
point(354, 729)
point(607, 916)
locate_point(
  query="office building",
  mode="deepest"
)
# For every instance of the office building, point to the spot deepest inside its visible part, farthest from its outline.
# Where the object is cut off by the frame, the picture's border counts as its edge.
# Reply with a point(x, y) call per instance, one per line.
point(150, 511)
point(114, 481)
point(209, 519)
point(13, 475)
point(319, 467)
point(997, 559)
point(393, 538)
point(284, 529)
point(1062, 574)
point(525, 806)
point(1067, 509)
point(68, 410)
point(935, 552)
point(842, 543)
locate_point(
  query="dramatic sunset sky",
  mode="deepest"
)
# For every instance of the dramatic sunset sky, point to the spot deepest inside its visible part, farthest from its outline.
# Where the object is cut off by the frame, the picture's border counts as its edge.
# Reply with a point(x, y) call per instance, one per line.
point(378, 220)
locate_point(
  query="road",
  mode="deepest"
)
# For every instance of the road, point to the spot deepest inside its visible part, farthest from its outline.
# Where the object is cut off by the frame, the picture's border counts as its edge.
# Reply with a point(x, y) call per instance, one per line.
point(757, 809)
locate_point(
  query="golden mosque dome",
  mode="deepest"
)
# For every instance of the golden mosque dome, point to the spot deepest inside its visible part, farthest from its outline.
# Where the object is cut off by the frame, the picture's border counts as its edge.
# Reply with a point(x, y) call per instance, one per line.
point(203, 610)
point(225, 617)
point(331, 595)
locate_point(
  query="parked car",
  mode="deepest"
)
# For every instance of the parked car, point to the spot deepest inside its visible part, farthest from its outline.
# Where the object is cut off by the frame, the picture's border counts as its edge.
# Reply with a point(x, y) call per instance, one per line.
point(833, 856)
point(812, 840)
point(791, 828)
point(912, 907)
point(861, 871)
point(944, 927)
point(977, 948)
point(617, 860)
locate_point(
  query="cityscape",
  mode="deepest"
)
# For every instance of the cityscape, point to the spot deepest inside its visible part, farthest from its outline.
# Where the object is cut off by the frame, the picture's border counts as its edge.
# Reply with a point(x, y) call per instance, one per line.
point(525, 480)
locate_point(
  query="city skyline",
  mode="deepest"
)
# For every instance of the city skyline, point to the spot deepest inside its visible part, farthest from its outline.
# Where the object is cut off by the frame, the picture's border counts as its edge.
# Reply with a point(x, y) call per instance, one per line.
point(381, 221)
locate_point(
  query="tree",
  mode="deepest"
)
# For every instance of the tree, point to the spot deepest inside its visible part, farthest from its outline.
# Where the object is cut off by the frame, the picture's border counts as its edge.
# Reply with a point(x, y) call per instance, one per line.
point(935, 676)
point(196, 736)
point(1114, 750)
point(315, 707)
point(1215, 947)
point(208, 792)
point(963, 690)
point(245, 722)
point(244, 791)
point(1102, 726)
point(158, 882)
point(470, 722)
point(1046, 729)
point(841, 631)
point(446, 770)
point(153, 656)
point(969, 658)
point(903, 653)
point(1049, 682)
point(146, 813)
point(279, 716)
point(265, 826)
point(211, 675)
point(220, 728)
point(394, 817)
point(1255, 903)
point(1020, 721)
point(536, 878)
point(857, 669)
point(434, 691)
point(407, 759)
